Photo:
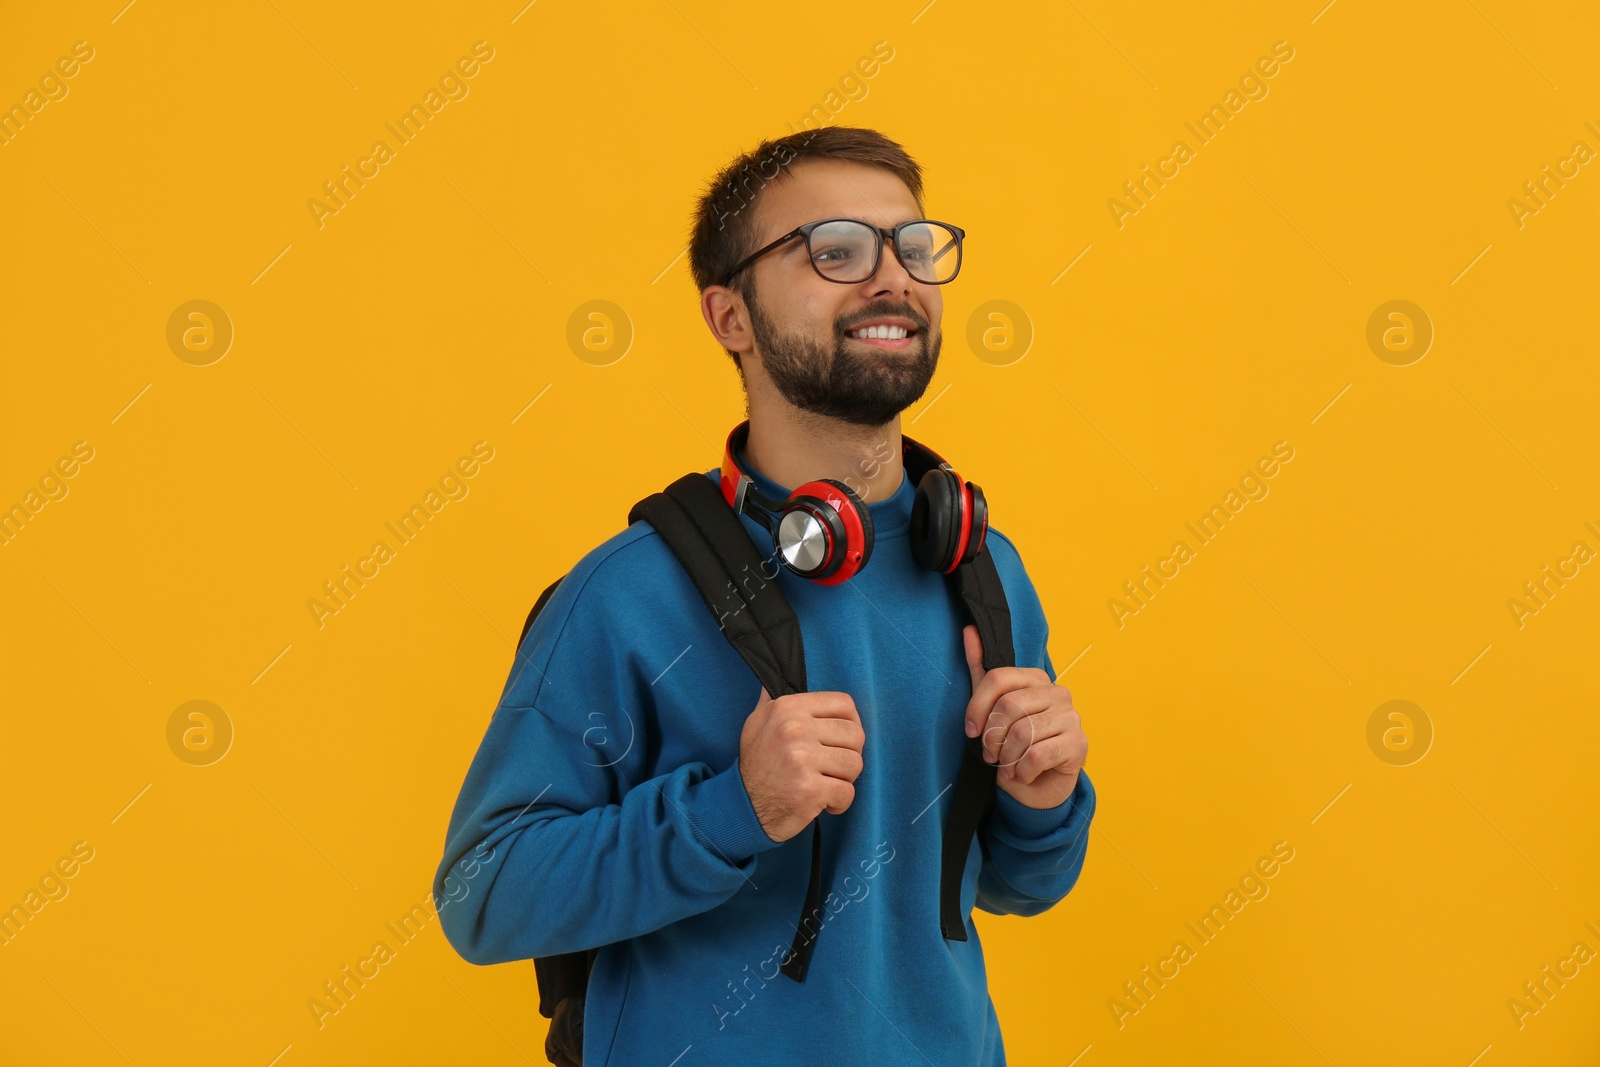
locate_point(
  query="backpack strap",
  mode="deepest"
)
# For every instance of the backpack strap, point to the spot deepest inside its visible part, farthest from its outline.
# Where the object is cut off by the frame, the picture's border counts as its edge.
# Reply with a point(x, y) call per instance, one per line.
point(710, 540)
point(714, 547)
point(978, 583)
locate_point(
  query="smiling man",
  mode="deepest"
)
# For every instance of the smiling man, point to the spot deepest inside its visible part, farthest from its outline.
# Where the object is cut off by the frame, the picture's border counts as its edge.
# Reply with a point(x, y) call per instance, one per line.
point(641, 796)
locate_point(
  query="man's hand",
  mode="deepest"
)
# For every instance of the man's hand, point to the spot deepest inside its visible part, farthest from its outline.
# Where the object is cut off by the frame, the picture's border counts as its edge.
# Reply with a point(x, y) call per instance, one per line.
point(1029, 728)
point(799, 755)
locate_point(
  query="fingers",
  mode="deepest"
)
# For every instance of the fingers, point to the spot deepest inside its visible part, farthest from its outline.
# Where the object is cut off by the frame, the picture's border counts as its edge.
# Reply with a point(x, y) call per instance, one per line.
point(1007, 709)
point(840, 795)
point(1021, 719)
point(829, 704)
point(1002, 680)
point(1045, 755)
point(1065, 753)
point(837, 733)
point(843, 764)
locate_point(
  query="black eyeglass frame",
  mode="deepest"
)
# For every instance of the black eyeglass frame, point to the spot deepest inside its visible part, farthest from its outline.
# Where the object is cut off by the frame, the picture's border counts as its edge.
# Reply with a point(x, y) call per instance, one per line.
point(878, 233)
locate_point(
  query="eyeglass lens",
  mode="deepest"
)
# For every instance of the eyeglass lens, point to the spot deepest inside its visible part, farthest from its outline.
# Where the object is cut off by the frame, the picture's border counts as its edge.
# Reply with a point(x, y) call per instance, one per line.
point(844, 251)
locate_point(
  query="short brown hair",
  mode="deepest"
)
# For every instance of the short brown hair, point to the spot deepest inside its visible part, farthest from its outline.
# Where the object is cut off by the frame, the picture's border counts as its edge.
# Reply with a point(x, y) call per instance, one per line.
point(724, 230)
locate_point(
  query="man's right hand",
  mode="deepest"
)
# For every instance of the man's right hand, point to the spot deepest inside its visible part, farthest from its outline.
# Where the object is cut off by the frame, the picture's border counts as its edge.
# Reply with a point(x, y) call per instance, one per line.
point(799, 755)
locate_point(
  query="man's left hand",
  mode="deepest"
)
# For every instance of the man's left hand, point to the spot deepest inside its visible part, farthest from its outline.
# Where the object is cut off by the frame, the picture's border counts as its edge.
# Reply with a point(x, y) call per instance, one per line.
point(1029, 728)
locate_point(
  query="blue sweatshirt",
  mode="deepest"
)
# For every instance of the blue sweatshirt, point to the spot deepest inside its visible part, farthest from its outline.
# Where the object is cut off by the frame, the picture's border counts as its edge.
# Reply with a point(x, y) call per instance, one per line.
point(605, 807)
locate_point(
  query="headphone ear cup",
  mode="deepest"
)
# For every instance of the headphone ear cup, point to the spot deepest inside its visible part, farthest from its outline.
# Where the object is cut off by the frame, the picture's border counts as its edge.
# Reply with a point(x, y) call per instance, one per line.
point(936, 520)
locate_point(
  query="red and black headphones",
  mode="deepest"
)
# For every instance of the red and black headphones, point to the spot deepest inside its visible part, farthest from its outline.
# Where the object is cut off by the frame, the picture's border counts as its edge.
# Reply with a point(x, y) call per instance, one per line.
point(823, 531)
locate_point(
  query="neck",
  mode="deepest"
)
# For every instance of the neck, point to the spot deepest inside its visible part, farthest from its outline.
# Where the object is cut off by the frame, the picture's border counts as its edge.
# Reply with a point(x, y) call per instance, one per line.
point(792, 447)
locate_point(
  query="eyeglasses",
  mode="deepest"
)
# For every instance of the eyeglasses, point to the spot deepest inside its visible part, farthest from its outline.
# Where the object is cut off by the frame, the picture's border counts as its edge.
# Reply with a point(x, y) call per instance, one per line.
point(848, 251)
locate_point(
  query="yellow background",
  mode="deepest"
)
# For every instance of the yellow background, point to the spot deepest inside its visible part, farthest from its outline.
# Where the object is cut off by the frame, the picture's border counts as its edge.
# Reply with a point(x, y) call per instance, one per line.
point(1228, 314)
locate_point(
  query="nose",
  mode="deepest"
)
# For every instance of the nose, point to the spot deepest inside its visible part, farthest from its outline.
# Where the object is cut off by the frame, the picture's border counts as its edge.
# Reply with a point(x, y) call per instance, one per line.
point(891, 275)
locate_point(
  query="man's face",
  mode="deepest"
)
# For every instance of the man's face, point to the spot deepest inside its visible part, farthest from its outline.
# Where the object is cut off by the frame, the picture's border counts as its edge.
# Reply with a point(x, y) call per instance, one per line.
point(802, 322)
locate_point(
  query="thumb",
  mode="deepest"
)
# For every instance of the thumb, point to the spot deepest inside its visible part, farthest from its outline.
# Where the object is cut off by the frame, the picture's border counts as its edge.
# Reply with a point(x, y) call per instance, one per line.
point(973, 644)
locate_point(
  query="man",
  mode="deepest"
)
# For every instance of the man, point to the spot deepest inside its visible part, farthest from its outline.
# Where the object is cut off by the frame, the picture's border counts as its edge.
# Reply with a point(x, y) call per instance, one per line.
point(638, 789)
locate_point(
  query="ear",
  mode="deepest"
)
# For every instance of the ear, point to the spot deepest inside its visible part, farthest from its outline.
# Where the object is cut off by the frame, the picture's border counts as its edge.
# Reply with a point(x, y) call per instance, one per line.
point(727, 317)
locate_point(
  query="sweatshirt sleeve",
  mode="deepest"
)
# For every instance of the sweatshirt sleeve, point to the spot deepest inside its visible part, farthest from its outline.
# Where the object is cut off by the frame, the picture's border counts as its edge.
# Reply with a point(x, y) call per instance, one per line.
point(548, 851)
point(1032, 856)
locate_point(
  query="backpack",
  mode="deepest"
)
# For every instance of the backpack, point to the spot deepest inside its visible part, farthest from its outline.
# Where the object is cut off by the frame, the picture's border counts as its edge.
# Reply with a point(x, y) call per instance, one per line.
point(712, 544)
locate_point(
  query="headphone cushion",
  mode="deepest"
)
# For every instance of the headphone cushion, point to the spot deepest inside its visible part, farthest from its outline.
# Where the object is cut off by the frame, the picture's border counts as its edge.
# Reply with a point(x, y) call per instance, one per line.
point(936, 519)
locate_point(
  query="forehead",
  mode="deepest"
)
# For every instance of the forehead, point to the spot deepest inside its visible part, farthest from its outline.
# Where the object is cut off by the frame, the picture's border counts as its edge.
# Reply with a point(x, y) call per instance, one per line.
point(824, 189)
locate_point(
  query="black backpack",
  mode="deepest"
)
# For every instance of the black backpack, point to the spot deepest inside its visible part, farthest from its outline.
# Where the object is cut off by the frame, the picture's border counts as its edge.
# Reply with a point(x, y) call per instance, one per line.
point(711, 542)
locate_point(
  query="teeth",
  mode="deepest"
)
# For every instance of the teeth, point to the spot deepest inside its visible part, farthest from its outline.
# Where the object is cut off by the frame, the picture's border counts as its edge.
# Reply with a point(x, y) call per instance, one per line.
point(887, 333)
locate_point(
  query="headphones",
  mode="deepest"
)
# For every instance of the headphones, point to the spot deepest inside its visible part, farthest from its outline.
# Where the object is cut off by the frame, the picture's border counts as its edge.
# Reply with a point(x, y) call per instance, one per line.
point(823, 531)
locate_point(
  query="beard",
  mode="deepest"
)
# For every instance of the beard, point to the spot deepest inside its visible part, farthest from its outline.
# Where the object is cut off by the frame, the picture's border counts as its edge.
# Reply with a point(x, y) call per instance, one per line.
point(845, 379)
